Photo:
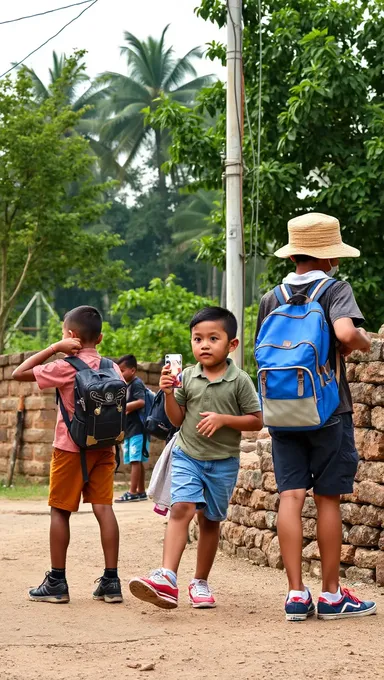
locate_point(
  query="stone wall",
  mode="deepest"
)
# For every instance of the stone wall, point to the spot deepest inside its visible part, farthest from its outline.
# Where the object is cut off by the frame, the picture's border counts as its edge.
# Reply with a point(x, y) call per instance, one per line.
point(40, 419)
point(250, 531)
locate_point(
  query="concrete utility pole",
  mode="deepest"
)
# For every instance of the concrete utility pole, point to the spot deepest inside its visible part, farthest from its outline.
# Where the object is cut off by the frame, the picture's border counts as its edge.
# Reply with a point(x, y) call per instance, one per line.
point(234, 173)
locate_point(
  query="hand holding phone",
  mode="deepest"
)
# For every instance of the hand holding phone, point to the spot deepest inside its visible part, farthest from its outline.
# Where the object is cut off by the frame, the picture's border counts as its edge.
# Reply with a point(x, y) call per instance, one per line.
point(174, 364)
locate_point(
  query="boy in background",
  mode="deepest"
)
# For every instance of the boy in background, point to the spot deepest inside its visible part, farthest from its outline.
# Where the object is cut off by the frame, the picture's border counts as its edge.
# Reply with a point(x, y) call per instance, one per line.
point(135, 446)
point(81, 335)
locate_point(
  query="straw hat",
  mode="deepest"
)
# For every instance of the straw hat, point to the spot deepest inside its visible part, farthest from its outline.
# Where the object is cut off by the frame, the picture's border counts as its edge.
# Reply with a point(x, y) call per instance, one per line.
point(317, 235)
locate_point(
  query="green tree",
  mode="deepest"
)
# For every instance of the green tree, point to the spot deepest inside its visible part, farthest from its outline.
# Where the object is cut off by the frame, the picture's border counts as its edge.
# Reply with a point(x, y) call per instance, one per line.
point(153, 70)
point(322, 127)
point(165, 310)
point(42, 240)
point(88, 102)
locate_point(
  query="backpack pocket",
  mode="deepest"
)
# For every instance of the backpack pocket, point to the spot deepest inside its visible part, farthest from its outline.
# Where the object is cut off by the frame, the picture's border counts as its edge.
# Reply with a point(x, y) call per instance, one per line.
point(296, 405)
point(78, 432)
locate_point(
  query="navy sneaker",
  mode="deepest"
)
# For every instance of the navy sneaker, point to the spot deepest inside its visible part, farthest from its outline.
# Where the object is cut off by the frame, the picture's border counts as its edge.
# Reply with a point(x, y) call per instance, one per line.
point(51, 590)
point(349, 606)
point(108, 589)
point(298, 609)
point(143, 496)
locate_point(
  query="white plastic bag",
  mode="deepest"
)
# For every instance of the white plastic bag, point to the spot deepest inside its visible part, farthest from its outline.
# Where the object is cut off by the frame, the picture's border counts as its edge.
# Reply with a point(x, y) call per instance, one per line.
point(160, 485)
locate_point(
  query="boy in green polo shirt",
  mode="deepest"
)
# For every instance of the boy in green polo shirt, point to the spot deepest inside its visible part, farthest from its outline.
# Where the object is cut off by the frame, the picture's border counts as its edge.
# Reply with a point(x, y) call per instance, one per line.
point(215, 404)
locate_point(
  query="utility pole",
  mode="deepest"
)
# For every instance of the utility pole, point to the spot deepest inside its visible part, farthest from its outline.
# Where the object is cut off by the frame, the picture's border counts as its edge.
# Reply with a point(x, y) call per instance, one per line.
point(234, 173)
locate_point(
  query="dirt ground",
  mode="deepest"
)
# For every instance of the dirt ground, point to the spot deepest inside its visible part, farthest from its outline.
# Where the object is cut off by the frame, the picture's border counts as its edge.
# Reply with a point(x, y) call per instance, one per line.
point(245, 637)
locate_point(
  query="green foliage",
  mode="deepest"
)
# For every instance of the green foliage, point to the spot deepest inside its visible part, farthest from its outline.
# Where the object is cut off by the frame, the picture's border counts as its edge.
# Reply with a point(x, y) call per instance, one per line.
point(166, 309)
point(322, 128)
point(152, 71)
point(43, 243)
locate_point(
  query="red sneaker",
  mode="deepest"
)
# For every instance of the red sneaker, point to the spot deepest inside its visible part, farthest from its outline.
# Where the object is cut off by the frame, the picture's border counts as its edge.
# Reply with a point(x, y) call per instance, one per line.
point(156, 589)
point(200, 595)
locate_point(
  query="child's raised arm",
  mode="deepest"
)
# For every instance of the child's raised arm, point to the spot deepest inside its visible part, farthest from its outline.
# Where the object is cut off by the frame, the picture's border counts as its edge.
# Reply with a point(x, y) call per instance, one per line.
point(174, 411)
point(24, 372)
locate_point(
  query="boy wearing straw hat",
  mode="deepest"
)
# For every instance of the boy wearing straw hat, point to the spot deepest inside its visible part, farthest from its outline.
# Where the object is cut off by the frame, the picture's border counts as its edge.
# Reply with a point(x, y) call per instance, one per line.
point(324, 459)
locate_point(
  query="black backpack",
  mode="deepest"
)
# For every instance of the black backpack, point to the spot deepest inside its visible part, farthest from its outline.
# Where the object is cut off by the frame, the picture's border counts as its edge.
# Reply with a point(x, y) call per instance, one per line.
point(100, 403)
point(158, 424)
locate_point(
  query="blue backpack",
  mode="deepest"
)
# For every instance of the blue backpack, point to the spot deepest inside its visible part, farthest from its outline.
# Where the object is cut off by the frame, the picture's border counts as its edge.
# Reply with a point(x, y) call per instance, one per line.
point(297, 386)
point(149, 399)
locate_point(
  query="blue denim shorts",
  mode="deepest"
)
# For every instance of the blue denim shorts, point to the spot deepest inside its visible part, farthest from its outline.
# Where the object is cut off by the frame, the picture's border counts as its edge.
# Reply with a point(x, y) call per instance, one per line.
point(207, 483)
point(134, 450)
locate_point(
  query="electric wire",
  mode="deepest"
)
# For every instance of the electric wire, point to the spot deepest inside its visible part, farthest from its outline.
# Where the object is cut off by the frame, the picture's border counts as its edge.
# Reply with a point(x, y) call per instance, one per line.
point(49, 39)
point(48, 11)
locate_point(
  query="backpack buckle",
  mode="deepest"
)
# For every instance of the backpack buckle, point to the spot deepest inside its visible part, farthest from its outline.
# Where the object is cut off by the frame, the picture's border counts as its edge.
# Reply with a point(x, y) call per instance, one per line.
point(300, 380)
point(264, 383)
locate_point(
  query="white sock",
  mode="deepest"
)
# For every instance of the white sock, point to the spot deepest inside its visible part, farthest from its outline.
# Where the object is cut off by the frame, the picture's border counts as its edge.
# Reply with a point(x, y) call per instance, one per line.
point(198, 580)
point(332, 597)
point(171, 575)
point(303, 594)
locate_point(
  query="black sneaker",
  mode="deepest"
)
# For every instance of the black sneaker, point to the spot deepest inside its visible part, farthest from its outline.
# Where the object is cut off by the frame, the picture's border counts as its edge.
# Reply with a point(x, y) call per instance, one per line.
point(51, 590)
point(109, 590)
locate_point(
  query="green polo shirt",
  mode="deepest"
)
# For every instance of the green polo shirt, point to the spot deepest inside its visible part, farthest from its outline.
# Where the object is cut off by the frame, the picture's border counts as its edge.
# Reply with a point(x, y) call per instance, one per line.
point(232, 394)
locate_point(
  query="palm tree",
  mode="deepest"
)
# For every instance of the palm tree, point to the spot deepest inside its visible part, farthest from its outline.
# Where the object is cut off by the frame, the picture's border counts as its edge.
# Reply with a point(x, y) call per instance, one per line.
point(191, 222)
point(153, 70)
point(89, 123)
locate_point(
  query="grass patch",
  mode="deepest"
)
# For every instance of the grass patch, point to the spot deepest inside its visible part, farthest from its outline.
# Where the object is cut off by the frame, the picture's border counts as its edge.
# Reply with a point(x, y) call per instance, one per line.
point(22, 490)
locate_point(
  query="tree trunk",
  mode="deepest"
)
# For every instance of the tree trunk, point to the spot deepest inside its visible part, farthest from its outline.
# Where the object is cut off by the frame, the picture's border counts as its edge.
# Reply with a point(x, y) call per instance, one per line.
point(223, 297)
point(159, 163)
point(215, 289)
point(199, 284)
point(209, 280)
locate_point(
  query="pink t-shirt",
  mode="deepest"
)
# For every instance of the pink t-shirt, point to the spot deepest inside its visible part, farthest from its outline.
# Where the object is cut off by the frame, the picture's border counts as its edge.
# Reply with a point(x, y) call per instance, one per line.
point(60, 374)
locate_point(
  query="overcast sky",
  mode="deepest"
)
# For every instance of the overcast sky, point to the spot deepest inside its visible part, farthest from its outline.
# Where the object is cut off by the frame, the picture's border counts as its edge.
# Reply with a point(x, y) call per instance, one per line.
point(100, 31)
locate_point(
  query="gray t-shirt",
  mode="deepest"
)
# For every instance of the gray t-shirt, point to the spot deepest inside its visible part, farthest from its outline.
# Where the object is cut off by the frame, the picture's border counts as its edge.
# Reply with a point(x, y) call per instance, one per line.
point(338, 302)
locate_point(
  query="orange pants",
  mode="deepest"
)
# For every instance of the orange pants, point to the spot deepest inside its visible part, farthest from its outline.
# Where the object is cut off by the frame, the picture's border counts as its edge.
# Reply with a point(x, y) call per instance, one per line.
point(67, 484)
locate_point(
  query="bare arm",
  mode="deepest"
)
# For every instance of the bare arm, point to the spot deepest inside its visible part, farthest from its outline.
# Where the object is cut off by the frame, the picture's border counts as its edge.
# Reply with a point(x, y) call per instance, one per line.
point(24, 372)
point(350, 337)
point(135, 405)
point(174, 411)
point(211, 422)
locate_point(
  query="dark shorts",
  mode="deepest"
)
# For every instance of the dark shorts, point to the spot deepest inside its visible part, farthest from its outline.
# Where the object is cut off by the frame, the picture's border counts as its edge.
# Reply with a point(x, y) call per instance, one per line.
point(325, 460)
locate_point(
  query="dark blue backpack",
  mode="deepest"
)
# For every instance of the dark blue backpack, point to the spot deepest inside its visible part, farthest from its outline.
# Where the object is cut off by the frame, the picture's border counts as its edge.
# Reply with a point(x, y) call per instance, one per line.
point(100, 403)
point(297, 386)
point(157, 424)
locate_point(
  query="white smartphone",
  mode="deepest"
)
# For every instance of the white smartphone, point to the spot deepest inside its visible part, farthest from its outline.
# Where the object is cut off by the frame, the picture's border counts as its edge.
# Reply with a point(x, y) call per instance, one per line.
point(175, 363)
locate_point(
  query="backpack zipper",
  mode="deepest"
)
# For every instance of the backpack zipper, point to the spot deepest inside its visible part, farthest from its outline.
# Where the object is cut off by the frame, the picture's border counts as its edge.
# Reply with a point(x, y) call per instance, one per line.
point(300, 369)
point(302, 342)
point(275, 312)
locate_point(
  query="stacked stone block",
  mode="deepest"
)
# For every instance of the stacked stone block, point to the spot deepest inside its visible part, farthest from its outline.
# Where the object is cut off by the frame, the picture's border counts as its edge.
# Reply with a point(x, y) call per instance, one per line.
point(250, 530)
point(40, 419)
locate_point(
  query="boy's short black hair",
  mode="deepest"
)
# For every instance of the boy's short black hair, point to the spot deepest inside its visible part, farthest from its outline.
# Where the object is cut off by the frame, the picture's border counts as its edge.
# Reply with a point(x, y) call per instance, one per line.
point(303, 258)
point(128, 360)
point(86, 321)
point(226, 318)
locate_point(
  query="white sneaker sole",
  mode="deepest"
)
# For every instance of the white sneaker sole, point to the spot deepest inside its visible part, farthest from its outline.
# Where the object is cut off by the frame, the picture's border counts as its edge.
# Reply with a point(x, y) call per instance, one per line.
point(52, 600)
point(202, 605)
point(299, 617)
point(146, 593)
point(115, 599)
point(348, 615)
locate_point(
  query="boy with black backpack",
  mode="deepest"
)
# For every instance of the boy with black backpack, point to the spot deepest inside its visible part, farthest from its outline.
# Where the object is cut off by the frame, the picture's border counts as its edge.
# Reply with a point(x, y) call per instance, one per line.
point(90, 422)
point(136, 444)
point(305, 328)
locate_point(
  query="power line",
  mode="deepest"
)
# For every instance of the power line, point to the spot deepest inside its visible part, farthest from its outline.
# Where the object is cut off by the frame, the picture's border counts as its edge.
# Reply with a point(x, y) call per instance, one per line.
point(48, 11)
point(49, 39)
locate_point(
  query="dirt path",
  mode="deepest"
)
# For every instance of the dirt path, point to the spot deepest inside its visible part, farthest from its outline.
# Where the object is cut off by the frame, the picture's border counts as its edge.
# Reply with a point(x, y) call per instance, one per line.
point(245, 637)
